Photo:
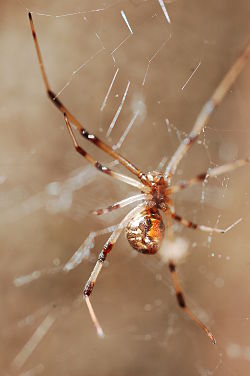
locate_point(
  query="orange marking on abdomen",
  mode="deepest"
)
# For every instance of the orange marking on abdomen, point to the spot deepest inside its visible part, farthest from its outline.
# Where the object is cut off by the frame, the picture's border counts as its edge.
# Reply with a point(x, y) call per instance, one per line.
point(155, 231)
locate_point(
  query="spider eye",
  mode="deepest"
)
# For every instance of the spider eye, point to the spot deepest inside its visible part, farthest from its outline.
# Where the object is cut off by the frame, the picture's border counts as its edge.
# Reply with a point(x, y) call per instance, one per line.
point(145, 232)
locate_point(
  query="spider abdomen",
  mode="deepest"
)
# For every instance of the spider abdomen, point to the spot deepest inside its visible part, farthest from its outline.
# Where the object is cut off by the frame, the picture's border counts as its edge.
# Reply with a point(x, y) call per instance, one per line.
point(145, 231)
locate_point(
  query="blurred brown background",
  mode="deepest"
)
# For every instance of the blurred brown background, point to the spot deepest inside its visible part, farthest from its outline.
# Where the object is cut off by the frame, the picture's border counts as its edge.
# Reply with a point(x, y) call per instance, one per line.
point(47, 190)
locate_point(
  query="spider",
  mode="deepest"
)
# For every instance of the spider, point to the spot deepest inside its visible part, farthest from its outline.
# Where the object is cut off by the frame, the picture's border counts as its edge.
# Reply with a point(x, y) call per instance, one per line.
point(144, 225)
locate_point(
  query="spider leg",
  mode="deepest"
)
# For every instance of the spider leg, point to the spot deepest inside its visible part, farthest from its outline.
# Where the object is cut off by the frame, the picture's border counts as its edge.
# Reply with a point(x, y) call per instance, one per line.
point(182, 303)
point(121, 204)
point(90, 137)
point(176, 283)
point(212, 172)
point(83, 251)
point(207, 110)
point(101, 258)
point(194, 226)
point(98, 165)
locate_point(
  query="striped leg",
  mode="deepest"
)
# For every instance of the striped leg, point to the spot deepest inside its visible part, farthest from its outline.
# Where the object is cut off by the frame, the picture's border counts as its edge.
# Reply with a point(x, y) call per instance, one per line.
point(212, 172)
point(194, 226)
point(90, 137)
point(98, 165)
point(102, 257)
point(182, 303)
point(122, 204)
point(207, 110)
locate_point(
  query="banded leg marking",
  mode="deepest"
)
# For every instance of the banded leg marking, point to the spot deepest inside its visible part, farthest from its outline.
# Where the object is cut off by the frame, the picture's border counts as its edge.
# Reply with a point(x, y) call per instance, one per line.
point(181, 301)
point(90, 137)
point(121, 204)
point(212, 172)
point(102, 257)
point(194, 226)
point(98, 165)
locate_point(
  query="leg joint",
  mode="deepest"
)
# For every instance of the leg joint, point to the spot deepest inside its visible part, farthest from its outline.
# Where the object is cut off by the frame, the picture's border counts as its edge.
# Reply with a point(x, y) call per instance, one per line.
point(172, 267)
point(180, 299)
point(88, 288)
point(55, 100)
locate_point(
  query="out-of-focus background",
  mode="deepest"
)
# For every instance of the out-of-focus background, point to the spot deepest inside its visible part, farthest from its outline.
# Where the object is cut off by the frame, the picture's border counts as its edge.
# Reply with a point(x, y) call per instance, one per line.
point(93, 51)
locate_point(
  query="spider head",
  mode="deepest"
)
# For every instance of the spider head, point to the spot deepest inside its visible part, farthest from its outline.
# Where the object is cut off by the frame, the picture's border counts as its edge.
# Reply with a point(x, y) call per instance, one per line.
point(153, 179)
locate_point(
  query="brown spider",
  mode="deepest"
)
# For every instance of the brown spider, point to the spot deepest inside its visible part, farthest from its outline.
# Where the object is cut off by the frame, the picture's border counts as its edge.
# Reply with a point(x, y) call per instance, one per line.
point(144, 225)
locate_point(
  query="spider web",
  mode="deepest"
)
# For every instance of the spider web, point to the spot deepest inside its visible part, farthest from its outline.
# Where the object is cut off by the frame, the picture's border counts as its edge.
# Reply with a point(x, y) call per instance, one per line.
point(136, 73)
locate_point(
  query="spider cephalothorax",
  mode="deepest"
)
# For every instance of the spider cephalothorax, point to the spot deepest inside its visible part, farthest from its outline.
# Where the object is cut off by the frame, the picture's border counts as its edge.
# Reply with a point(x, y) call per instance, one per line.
point(158, 189)
point(144, 224)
